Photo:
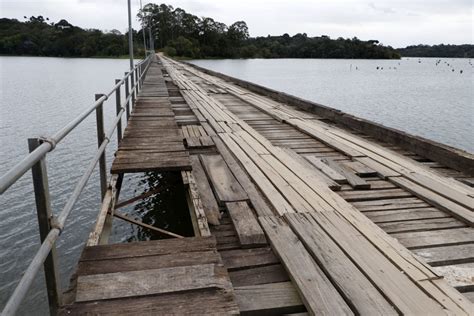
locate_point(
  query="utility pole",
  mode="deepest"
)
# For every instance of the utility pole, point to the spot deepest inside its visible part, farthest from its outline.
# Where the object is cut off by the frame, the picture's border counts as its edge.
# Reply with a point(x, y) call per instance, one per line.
point(130, 35)
point(143, 27)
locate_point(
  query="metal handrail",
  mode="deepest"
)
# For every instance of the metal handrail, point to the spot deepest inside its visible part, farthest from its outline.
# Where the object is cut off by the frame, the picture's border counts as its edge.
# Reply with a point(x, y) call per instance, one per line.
point(9, 178)
point(36, 157)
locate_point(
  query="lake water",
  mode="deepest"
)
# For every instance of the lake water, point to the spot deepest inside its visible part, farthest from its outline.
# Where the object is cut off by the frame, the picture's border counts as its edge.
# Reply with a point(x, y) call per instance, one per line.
point(37, 97)
point(422, 96)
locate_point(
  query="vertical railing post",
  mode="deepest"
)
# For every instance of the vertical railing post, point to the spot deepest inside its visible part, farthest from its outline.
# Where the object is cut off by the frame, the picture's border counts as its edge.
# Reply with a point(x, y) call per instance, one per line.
point(118, 107)
point(99, 115)
point(45, 217)
point(132, 88)
point(137, 79)
point(127, 93)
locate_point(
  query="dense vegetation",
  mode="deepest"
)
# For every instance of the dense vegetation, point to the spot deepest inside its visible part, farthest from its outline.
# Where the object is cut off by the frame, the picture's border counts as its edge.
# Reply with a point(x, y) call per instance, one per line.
point(180, 33)
point(39, 37)
point(462, 51)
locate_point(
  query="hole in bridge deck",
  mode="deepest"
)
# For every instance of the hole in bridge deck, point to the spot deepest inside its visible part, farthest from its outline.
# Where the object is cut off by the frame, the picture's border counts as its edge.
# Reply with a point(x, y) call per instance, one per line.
point(166, 209)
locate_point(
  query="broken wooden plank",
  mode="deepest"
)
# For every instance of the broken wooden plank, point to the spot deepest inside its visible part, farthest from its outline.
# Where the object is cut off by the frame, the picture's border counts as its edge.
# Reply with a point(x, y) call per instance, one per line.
point(246, 225)
point(208, 200)
point(224, 184)
point(355, 181)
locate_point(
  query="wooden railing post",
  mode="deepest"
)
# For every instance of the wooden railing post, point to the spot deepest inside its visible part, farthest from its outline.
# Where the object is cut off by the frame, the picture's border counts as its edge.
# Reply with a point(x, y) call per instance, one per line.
point(118, 107)
point(99, 115)
point(137, 80)
point(45, 217)
point(132, 88)
point(127, 93)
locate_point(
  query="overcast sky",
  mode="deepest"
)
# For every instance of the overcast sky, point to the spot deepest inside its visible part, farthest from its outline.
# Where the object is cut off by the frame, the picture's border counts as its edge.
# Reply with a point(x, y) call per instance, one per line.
point(396, 22)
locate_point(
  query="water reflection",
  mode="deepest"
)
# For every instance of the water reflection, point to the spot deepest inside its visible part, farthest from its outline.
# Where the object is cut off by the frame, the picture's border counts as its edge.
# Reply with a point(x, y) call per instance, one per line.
point(166, 209)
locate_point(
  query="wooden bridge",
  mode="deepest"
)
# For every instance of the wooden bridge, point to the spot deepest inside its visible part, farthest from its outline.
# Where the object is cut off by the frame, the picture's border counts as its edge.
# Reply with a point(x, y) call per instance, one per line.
point(296, 209)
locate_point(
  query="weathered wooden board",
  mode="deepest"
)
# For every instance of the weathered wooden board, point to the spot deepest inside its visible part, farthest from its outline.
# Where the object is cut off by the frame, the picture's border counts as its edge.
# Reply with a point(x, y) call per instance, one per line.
point(346, 276)
point(246, 225)
point(355, 181)
point(405, 295)
point(405, 214)
point(148, 262)
point(274, 298)
point(205, 192)
point(421, 225)
point(437, 200)
point(149, 248)
point(317, 292)
point(367, 195)
point(148, 282)
point(224, 184)
point(390, 204)
point(330, 172)
point(259, 275)
point(446, 255)
point(217, 302)
point(245, 258)
point(436, 238)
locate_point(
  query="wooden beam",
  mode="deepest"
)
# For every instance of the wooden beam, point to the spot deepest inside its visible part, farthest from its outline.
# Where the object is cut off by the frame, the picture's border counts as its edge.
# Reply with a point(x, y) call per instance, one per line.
point(152, 228)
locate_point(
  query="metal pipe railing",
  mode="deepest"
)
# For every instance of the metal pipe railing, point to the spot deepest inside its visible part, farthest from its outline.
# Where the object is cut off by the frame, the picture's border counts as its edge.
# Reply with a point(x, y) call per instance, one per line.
point(51, 226)
point(50, 143)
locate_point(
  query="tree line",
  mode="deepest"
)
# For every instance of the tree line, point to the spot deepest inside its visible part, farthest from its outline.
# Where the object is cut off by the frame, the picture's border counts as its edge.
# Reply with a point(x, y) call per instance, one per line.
point(37, 36)
point(179, 33)
point(452, 51)
point(182, 34)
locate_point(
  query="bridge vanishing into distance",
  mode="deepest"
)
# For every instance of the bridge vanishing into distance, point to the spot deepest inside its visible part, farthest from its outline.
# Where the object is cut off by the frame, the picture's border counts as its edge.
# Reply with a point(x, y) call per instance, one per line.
point(296, 208)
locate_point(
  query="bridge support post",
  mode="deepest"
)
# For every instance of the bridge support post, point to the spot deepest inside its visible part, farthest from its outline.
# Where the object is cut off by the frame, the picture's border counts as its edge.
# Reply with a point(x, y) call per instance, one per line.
point(137, 80)
point(118, 107)
point(127, 93)
point(132, 87)
point(99, 115)
point(45, 220)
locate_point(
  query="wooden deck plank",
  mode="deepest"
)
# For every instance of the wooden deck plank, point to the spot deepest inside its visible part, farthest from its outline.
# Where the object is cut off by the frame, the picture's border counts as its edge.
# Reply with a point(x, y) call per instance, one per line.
point(245, 258)
point(355, 181)
point(437, 200)
point(273, 299)
point(226, 187)
point(405, 214)
point(317, 292)
point(406, 296)
point(209, 202)
point(246, 225)
point(259, 275)
point(217, 302)
point(446, 255)
point(148, 248)
point(330, 172)
point(421, 225)
point(436, 238)
point(351, 282)
point(148, 282)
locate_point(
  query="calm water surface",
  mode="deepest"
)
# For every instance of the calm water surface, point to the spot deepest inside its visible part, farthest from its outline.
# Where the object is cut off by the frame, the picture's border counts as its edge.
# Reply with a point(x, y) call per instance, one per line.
point(38, 96)
point(415, 95)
